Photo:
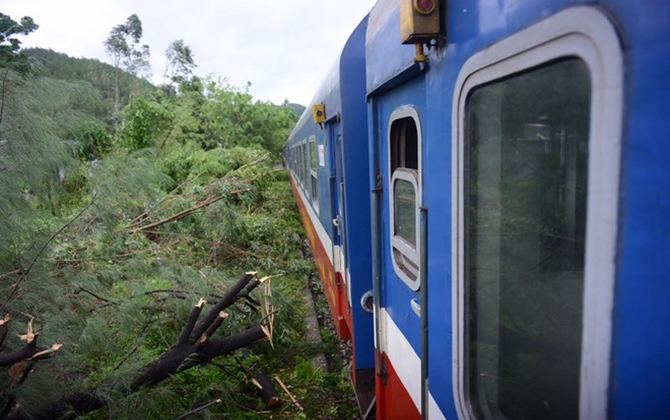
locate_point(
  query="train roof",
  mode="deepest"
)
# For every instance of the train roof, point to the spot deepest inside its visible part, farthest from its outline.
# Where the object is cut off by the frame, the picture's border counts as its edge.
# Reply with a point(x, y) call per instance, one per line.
point(386, 56)
point(338, 77)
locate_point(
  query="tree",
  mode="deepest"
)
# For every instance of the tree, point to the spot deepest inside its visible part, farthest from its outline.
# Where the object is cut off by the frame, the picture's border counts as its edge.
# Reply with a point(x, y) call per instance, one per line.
point(144, 122)
point(9, 44)
point(126, 54)
point(180, 62)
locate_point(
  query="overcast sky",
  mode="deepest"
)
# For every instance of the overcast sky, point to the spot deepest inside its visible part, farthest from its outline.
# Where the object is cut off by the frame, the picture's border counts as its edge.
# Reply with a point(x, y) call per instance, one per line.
point(283, 47)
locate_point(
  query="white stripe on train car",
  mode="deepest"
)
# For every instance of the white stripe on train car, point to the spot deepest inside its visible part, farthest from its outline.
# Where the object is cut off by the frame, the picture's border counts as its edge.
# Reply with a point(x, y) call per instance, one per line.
point(406, 364)
point(434, 412)
point(402, 356)
point(318, 227)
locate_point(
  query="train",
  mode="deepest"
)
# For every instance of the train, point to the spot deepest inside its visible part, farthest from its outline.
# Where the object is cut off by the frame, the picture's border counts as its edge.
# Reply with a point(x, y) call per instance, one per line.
point(485, 186)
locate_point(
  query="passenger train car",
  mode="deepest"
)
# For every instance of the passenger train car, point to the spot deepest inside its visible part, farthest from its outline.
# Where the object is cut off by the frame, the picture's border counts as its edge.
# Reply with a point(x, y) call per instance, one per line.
point(486, 189)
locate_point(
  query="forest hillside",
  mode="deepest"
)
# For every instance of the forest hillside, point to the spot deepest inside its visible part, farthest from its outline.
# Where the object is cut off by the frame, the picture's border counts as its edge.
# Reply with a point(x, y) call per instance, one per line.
point(150, 262)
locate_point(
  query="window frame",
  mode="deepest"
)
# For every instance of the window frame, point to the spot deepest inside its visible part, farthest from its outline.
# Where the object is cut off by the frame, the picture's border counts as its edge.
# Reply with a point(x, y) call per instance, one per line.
point(585, 33)
point(396, 242)
point(314, 172)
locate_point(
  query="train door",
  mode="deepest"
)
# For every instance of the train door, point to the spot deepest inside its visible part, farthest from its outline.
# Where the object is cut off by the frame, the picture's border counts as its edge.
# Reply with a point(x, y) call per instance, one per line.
point(536, 157)
point(398, 205)
point(341, 218)
point(336, 191)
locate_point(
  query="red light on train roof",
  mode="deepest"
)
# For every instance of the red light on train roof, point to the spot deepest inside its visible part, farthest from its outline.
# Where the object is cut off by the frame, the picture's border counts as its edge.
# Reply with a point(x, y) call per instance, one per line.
point(425, 7)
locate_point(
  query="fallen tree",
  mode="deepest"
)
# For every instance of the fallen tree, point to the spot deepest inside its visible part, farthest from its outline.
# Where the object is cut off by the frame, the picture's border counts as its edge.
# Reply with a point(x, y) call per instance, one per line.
point(194, 347)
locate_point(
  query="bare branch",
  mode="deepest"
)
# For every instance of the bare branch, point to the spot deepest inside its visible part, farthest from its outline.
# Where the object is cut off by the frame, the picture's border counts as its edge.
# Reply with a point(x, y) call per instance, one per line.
point(187, 212)
point(199, 409)
point(227, 300)
point(190, 324)
point(295, 402)
point(94, 295)
point(215, 326)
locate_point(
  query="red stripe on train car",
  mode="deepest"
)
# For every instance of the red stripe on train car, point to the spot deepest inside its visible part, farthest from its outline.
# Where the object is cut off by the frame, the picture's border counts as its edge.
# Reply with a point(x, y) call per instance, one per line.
point(332, 289)
point(393, 400)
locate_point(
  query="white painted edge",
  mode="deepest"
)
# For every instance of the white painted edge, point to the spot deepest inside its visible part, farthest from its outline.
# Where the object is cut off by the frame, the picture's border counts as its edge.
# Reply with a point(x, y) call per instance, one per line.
point(434, 412)
point(406, 363)
point(587, 33)
point(318, 227)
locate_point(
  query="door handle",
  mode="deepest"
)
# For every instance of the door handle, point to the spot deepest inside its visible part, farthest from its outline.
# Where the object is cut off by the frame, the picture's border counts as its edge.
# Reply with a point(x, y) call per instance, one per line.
point(416, 306)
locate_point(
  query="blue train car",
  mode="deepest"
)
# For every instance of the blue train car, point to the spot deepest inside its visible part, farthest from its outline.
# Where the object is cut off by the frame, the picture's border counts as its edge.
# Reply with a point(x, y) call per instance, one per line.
point(328, 163)
point(518, 208)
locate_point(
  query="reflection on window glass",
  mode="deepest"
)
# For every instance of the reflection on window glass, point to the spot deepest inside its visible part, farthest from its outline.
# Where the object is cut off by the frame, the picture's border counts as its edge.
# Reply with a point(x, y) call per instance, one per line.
point(526, 198)
point(315, 190)
point(305, 165)
point(405, 211)
point(312, 153)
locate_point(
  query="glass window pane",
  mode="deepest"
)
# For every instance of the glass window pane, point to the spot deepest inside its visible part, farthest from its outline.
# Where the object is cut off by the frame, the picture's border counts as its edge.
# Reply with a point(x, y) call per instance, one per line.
point(312, 152)
point(305, 166)
point(404, 144)
point(405, 210)
point(526, 220)
point(315, 190)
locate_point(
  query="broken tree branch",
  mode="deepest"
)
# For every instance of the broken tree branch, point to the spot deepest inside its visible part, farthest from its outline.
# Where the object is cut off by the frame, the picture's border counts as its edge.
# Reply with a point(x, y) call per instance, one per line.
point(188, 211)
point(190, 323)
point(4, 322)
point(215, 326)
point(199, 409)
point(263, 384)
point(195, 347)
point(227, 300)
point(172, 362)
point(29, 352)
point(295, 402)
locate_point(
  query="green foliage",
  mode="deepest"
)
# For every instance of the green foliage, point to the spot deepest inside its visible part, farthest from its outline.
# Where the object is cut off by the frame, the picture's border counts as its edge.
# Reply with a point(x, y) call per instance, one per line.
point(124, 49)
point(10, 45)
point(144, 123)
point(231, 118)
point(180, 63)
point(77, 258)
point(101, 76)
point(216, 115)
point(93, 140)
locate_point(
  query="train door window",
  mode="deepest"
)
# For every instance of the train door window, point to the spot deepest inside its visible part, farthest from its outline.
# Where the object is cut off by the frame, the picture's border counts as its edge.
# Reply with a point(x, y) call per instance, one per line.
point(405, 196)
point(536, 197)
point(314, 173)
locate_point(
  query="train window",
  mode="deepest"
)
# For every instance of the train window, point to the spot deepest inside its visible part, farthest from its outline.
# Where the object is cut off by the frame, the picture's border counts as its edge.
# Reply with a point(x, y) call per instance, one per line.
point(300, 160)
point(314, 173)
point(404, 165)
point(526, 174)
point(305, 168)
point(537, 124)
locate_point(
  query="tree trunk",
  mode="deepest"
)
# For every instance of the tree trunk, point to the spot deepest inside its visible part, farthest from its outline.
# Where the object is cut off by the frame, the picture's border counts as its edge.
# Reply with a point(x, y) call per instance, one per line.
point(117, 100)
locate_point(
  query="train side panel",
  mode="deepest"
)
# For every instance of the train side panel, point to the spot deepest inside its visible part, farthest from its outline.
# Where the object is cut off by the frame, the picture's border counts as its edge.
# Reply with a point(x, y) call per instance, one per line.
point(637, 285)
point(506, 206)
point(338, 222)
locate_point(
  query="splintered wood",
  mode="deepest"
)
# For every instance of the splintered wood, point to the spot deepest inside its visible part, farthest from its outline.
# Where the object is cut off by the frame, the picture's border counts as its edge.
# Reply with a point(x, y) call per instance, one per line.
point(295, 402)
